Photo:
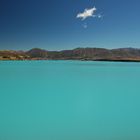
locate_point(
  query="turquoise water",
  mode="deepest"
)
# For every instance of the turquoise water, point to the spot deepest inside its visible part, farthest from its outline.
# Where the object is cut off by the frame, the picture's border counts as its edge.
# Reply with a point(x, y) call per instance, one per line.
point(69, 100)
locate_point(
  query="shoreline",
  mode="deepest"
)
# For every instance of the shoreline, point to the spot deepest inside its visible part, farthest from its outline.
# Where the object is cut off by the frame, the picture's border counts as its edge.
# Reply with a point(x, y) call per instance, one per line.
point(81, 54)
point(138, 61)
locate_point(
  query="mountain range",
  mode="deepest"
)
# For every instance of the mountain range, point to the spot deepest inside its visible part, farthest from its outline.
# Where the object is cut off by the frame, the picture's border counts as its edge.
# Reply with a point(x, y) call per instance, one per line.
point(93, 54)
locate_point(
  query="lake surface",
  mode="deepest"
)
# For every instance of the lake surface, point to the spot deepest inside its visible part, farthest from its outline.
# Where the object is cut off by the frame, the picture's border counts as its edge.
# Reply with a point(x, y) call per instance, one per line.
point(69, 100)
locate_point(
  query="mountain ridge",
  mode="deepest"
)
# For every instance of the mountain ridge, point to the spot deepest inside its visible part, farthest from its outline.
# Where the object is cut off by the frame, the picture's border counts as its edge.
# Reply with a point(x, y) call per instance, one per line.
point(93, 54)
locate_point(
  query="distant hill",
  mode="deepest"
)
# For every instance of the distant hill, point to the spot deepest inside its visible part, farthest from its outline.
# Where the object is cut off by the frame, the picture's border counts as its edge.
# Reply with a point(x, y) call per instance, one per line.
point(37, 53)
point(13, 55)
point(94, 54)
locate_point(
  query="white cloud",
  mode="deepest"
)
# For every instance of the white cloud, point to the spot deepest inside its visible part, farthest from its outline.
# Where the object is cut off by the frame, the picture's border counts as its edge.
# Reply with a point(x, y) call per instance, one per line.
point(99, 16)
point(87, 13)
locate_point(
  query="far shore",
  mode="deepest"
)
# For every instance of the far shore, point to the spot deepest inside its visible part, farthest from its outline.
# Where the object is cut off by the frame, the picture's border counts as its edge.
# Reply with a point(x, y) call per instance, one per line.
point(81, 54)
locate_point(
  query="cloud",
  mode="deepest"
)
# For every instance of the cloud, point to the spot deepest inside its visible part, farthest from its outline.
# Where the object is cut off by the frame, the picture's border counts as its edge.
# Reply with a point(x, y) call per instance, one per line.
point(85, 25)
point(87, 13)
point(99, 16)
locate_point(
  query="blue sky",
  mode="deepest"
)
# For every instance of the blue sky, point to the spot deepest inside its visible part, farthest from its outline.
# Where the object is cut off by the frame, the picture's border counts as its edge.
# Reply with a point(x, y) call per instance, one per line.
point(52, 24)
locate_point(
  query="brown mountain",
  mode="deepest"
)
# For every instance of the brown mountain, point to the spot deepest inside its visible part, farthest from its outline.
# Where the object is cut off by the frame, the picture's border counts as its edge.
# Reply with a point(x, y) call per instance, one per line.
point(37, 53)
point(13, 55)
point(95, 54)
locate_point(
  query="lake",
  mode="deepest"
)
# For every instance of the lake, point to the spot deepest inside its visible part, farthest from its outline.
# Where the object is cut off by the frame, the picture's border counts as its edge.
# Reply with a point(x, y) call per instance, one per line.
point(69, 100)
